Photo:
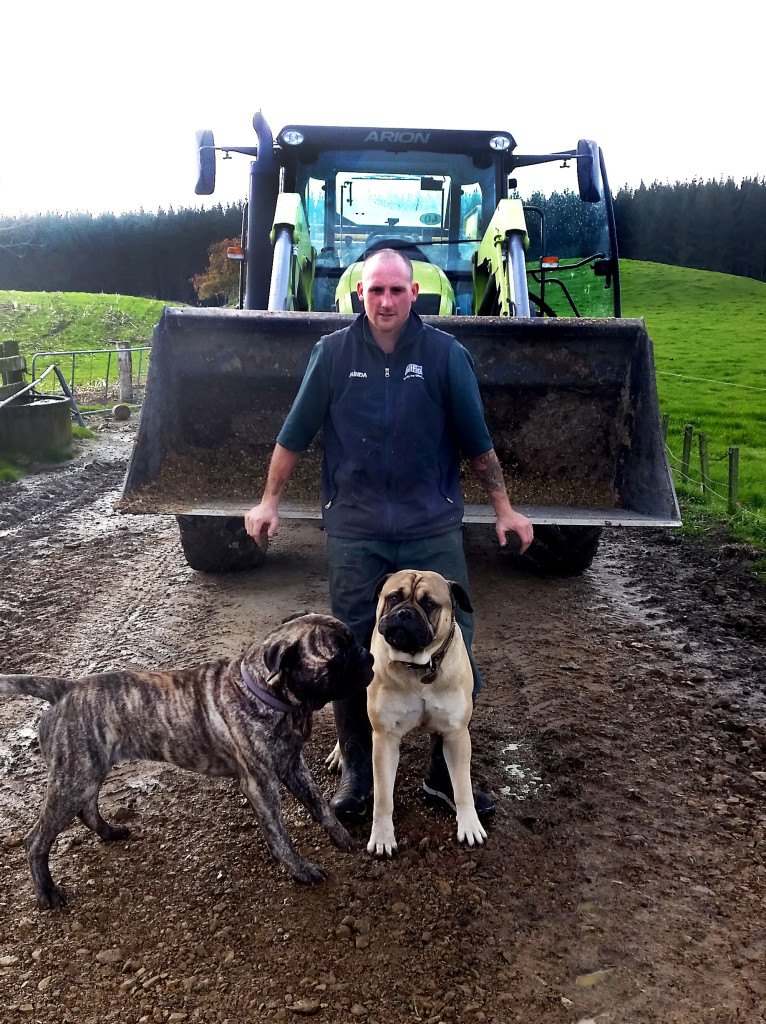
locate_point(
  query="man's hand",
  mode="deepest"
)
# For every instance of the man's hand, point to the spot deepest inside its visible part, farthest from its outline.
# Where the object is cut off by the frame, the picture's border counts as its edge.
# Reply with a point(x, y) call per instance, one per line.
point(509, 521)
point(262, 522)
point(265, 515)
point(487, 470)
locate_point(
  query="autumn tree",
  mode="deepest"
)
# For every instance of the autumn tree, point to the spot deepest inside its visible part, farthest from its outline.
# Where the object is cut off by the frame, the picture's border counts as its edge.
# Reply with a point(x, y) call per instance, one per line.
point(221, 279)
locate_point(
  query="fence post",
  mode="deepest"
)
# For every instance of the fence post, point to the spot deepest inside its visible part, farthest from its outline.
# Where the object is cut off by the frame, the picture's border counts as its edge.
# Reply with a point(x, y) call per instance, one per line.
point(665, 425)
point(704, 462)
point(125, 367)
point(15, 376)
point(687, 452)
point(12, 367)
point(733, 478)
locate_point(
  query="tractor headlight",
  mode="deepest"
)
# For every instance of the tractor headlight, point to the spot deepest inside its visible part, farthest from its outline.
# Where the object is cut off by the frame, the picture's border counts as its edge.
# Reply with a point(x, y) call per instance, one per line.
point(293, 137)
point(500, 142)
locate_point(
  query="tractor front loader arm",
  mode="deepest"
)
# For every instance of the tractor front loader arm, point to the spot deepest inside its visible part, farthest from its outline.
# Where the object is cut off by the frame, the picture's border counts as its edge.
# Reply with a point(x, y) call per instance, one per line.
point(499, 274)
point(292, 274)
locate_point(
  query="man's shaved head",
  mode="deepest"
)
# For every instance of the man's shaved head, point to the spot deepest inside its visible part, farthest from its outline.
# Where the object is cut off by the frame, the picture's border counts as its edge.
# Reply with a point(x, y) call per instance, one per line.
point(387, 254)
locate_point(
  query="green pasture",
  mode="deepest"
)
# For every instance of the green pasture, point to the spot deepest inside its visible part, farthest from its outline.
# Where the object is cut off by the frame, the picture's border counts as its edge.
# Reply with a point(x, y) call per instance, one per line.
point(709, 335)
point(76, 321)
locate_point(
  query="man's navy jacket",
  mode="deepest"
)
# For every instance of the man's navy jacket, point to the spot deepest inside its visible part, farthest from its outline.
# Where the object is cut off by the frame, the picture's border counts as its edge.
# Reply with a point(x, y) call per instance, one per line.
point(395, 427)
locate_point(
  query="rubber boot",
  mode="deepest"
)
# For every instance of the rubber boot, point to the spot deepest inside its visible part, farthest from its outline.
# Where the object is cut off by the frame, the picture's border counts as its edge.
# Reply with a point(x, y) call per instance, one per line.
point(438, 784)
point(355, 737)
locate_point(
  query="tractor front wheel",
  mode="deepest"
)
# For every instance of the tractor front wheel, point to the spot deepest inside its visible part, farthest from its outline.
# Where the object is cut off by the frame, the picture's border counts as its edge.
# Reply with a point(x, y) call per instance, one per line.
point(218, 544)
point(561, 550)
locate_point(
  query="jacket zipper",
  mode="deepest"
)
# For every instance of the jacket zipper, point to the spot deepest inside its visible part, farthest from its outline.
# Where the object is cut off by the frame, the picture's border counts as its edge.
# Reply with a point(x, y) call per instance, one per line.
point(387, 449)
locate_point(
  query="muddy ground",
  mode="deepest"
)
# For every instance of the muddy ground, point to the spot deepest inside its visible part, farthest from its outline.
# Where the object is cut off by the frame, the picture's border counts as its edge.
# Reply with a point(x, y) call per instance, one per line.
point(621, 730)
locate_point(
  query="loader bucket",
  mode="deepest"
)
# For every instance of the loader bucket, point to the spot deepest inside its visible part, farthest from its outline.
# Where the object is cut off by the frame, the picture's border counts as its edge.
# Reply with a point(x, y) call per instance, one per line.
point(571, 405)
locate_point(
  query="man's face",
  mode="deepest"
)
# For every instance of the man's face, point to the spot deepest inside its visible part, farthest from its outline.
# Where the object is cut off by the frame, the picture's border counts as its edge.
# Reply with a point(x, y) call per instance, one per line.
point(387, 293)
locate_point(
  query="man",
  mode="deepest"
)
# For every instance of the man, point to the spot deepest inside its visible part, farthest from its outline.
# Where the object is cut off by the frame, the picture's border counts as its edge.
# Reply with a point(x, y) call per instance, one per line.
point(399, 404)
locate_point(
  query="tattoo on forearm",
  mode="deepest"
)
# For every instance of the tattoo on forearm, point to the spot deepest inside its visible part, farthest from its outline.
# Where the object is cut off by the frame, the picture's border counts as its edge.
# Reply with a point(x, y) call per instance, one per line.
point(489, 473)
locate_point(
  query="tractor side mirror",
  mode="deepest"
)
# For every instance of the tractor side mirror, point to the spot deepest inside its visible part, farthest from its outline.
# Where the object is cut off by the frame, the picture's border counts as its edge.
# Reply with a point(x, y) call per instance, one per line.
point(205, 163)
point(589, 172)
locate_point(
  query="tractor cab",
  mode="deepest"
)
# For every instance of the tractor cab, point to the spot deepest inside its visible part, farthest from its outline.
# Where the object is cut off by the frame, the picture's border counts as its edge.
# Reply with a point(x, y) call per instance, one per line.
point(452, 201)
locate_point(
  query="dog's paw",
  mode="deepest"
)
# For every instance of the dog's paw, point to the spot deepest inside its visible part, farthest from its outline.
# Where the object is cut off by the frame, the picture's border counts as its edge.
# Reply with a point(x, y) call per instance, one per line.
point(308, 873)
point(382, 840)
point(52, 899)
point(334, 760)
point(469, 829)
point(115, 833)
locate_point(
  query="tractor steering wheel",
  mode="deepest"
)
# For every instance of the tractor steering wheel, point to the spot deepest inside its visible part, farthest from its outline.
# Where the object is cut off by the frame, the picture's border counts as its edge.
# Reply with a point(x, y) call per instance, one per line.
point(402, 243)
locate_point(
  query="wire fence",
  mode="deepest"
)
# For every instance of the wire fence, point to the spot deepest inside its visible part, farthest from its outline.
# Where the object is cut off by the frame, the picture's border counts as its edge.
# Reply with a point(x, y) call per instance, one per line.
point(682, 464)
point(99, 391)
point(682, 471)
point(709, 380)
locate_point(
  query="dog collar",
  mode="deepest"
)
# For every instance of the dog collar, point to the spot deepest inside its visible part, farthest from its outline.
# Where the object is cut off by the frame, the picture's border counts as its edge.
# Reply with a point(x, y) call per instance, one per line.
point(432, 667)
point(265, 695)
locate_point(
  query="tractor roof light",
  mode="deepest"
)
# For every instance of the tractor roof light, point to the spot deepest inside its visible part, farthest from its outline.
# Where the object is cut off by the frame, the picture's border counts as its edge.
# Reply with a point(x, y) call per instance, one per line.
point(292, 137)
point(500, 143)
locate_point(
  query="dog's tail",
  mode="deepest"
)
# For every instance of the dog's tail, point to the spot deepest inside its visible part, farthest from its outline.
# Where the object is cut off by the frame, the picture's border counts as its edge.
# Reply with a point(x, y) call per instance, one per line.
point(50, 688)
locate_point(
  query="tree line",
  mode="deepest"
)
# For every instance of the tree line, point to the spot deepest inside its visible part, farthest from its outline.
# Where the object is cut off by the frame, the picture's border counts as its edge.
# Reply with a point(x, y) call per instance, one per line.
point(713, 225)
point(152, 255)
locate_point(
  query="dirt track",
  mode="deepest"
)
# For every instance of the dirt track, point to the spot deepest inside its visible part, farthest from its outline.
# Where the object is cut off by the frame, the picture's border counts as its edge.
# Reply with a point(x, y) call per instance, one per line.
point(622, 731)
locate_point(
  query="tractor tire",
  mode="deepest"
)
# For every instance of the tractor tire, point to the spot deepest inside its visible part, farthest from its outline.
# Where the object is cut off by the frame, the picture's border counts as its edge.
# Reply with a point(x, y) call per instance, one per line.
point(561, 550)
point(218, 544)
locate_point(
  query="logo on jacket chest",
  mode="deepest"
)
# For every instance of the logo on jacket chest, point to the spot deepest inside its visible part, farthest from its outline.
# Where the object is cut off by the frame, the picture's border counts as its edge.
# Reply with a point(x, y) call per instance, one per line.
point(411, 370)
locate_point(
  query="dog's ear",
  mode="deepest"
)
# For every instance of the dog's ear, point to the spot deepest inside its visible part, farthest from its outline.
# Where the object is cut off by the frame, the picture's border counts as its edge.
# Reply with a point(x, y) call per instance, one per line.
point(277, 657)
point(380, 585)
point(460, 597)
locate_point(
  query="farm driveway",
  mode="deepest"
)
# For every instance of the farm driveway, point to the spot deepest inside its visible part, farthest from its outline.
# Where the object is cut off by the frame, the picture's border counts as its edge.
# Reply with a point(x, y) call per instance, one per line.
point(621, 730)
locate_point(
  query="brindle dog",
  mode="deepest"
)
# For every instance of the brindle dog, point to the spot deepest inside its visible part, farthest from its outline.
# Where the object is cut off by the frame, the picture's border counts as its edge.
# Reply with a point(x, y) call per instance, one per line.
point(246, 717)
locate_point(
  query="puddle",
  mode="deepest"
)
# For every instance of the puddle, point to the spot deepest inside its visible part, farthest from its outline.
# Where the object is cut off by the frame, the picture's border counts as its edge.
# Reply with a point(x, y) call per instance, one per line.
point(524, 783)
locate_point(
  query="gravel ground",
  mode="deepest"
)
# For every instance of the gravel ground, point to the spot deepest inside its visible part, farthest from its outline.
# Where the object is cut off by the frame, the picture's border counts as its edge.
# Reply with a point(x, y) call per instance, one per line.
point(621, 731)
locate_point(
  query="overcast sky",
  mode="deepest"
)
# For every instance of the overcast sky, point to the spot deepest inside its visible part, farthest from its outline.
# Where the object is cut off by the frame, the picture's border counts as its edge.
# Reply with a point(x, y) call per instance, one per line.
point(100, 101)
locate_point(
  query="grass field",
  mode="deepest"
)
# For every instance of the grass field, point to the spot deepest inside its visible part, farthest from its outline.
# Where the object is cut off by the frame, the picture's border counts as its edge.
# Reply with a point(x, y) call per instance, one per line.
point(709, 334)
point(75, 321)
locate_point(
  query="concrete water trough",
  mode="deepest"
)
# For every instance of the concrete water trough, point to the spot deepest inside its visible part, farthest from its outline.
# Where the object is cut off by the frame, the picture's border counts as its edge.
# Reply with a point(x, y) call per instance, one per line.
point(34, 424)
point(31, 424)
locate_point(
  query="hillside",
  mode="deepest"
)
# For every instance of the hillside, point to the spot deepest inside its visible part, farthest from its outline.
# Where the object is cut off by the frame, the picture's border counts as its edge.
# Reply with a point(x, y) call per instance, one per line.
point(708, 332)
point(65, 321)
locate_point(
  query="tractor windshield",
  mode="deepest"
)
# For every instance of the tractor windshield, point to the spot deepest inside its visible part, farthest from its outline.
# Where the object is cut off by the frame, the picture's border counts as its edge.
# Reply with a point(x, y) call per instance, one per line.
point(436, 204)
